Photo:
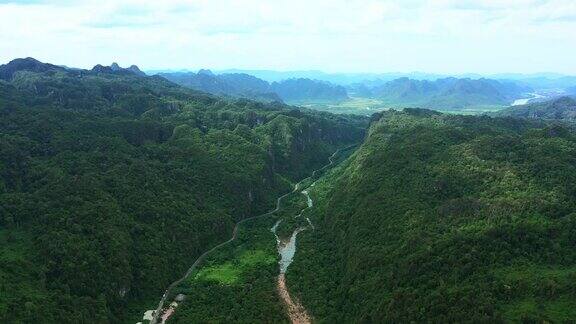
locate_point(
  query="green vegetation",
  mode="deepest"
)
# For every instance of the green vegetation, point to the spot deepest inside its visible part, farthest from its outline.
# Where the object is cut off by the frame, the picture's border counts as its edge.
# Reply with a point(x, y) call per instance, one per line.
point(474, 110)
point(248, 86)
point(448, 93)
point(294, 204)
point(453, 95)
point(230, 272)
point(236, 283)
point(353, 105)
point(368, 106)
point(563, 108)
point(443, 218)
point(112, 183)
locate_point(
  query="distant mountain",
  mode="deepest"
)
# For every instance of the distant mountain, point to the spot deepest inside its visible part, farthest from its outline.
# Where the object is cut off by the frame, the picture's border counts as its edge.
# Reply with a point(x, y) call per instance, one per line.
point(449, 93)
point(248, 86)
point(303, 89)
point(235, 85)
point(29, 64)
point(360, 90)
point(203, 81)
point(7, 71)
point(245, 82)
point(116, 69)
point(354, 81)
point(344, 79)
point(111, 182)
point(560, 108)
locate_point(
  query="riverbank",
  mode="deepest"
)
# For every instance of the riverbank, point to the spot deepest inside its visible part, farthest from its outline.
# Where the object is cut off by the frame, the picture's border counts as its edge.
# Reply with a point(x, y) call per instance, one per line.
point(287, 249)
point(296, 312)
point(229, 281)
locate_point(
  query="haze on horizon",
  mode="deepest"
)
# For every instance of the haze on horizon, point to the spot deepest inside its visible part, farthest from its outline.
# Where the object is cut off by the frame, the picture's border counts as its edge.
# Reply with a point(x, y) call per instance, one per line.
point(379, 36)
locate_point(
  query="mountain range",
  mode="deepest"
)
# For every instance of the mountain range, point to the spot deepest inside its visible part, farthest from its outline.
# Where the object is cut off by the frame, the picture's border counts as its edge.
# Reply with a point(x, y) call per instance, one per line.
point(29, 64)
point(448, 93)
point(549, 80)
point(115, 186)
point(245, 85)
point(443, 94)
point(421, 90)
point(111, 182)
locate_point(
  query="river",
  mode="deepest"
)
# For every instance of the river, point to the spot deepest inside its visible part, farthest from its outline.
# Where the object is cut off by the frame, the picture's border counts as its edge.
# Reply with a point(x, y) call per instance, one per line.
point(523, 101)
point(287, 249)
point(162, 314)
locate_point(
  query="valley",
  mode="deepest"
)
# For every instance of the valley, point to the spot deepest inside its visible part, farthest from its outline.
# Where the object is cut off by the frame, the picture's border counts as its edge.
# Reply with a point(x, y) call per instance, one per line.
point(132, 177)
point(431, 220)
point(287, 161)
point(231, 266)
point(450, 95)
point(128, 198)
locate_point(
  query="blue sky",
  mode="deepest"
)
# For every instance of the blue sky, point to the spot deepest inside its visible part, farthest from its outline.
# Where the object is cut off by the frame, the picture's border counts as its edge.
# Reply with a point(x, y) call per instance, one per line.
point(436, 36)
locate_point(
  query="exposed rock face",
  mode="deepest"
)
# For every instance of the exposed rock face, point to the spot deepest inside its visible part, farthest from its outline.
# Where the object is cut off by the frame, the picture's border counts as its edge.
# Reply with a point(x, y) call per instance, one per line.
point(180, 298)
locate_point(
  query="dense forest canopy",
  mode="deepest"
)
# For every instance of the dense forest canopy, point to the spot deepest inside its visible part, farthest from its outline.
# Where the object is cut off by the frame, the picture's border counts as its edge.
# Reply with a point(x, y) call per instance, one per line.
point(441, 218)
point(112, 182)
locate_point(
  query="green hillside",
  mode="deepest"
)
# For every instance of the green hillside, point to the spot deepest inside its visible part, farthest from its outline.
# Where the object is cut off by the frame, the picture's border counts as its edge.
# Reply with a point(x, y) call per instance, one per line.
point(112, 183)
point(450, 94)
point(441, 218)
point(563, 108)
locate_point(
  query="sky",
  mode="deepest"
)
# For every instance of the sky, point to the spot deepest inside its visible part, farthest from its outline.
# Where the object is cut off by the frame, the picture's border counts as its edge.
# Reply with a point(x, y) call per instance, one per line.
point(377, 36)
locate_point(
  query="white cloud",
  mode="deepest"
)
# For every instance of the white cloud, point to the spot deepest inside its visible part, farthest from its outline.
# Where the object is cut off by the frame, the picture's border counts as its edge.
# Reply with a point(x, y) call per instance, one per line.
point(339, 35)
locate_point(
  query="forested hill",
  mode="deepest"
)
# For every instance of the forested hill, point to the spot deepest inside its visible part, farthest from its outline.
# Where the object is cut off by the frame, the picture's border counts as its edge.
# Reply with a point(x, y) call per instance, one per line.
point(248, 86)
point(445, 219)
point(563, 108)
point(448, 93)
point(112, 183)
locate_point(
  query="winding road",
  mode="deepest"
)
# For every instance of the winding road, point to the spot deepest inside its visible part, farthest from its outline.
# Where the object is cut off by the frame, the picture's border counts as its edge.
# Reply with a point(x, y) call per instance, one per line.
point(157, 313)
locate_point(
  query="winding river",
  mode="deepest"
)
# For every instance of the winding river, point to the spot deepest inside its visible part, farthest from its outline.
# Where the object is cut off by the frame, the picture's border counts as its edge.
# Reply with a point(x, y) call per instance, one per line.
point(287, 250)
point(160, 308)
